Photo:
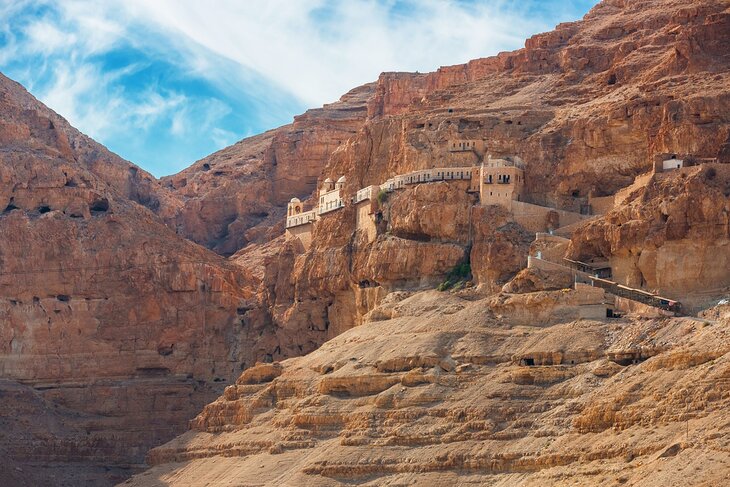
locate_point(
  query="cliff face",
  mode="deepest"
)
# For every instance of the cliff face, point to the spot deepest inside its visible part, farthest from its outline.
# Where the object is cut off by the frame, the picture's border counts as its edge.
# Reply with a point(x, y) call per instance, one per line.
point(121, 319)
point(440, 393)
point(585, 106)
point(114, 331)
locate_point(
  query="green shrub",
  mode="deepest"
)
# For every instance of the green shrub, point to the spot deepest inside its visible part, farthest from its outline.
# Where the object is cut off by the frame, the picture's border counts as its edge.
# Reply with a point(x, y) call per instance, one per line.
point(457, 278)
point(382, 197)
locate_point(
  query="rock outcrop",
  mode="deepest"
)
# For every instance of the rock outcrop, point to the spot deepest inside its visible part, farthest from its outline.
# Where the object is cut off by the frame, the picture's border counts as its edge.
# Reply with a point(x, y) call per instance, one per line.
point(114, 331)
point(671, 236)
point(122, 315)
point(449, 392)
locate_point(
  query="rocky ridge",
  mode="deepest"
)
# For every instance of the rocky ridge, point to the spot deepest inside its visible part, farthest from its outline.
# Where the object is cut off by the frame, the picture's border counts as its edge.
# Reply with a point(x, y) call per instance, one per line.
point(585, 105)
point(440, 392)
point(114, 330)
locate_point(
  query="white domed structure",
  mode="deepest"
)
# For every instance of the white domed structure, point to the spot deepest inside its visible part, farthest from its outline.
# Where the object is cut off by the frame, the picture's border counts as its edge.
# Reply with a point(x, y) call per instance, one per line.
point(294, 207)
point(328, 185)
point(341, 180)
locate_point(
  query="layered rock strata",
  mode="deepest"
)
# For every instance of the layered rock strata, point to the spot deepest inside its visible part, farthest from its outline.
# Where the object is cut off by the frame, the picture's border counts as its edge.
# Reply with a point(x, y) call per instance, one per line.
point(447, 390)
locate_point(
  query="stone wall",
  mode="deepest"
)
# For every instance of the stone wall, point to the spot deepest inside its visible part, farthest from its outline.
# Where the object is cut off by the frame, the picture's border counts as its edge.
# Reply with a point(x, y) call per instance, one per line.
point(536, 218)
point(303, 233)
point(364, 219)
point(629, 306)
point(602, 204)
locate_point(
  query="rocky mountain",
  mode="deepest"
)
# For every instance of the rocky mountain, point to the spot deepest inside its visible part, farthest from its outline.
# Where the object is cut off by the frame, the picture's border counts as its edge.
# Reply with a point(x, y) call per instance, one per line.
point(128, 303)
point(417, 387)
point(587, 106)
point(114, 330)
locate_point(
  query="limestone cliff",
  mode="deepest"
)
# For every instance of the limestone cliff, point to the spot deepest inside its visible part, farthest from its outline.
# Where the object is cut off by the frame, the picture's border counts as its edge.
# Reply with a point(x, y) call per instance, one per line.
point(114, 331)
point(447, 391)
point(121, 316)
point(585, 106)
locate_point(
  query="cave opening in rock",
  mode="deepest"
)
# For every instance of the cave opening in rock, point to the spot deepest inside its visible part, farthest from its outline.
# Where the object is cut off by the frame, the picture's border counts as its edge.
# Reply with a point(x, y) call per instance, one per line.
point(10, 207)
point(530, 362)
point(43, 209)
point(100, 205)
point(612, 79)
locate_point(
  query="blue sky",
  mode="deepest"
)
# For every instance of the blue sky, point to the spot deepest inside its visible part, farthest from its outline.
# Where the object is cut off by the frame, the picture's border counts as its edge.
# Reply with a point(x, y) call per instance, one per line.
point(166, 82)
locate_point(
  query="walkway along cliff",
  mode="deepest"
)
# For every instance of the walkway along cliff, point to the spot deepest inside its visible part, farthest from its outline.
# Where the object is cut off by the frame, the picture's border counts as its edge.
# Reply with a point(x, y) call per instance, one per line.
point(143, 300)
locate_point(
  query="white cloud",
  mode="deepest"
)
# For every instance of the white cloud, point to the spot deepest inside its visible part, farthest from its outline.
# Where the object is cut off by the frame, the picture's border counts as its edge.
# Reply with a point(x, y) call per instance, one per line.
point(264, 56)
point(222, 138)
point(45, 38)
point(318, 49)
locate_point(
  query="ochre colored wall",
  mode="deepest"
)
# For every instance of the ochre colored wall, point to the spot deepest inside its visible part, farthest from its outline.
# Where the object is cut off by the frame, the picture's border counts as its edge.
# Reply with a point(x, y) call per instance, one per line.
point(303, 233)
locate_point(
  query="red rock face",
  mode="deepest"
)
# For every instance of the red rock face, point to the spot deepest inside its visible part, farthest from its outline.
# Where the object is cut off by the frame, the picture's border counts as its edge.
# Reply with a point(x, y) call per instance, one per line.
point(586, 106)
point(120, 322)
point(118, 329)
point(235, 196)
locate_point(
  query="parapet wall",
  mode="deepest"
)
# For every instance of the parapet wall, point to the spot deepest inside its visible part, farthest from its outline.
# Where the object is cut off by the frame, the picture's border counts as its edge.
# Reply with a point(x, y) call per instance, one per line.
point(535, 218)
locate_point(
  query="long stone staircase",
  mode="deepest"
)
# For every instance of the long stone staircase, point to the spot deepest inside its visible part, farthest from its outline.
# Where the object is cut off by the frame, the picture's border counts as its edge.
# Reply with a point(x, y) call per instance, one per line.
point(580, 271)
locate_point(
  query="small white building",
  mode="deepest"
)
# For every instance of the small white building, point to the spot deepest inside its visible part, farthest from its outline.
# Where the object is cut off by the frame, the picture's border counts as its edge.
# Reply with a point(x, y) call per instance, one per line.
point(671, 164)
point(299, 222)
point(331, 196)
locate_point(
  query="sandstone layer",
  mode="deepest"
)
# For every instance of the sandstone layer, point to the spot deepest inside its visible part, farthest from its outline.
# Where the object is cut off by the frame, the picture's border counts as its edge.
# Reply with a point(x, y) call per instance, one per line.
point(121, 315)
point(114, 330)
point(440, 393)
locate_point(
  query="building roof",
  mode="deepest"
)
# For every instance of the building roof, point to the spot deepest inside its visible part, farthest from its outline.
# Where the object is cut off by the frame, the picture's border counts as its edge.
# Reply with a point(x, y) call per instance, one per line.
point(328, 180)
point(294, 200)
point(341, 180)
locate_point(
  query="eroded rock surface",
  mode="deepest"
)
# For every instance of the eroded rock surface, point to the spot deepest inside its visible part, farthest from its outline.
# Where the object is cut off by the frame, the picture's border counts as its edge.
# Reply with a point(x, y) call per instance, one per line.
point(118, 324)
point(114, 331)
point(444, 393)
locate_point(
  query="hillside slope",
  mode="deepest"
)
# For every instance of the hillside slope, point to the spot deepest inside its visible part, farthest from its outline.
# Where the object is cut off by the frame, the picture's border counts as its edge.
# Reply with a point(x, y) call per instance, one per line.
point(487, 387)
point(439, 393)
point(114, 330)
